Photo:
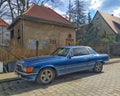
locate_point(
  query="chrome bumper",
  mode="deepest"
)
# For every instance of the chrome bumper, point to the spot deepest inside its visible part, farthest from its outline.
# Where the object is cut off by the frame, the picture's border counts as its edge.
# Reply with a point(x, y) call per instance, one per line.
point(24, 74)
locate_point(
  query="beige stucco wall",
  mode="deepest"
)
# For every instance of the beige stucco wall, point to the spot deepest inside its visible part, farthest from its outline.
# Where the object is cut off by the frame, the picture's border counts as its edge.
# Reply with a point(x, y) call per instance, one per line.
point(4, 35)
point(99, 22)
point(42, 31)
point(17, 27)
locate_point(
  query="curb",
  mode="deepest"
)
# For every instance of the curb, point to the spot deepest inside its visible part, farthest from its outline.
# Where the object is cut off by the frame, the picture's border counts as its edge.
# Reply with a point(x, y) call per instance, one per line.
point(115, 61)
point(9, 80)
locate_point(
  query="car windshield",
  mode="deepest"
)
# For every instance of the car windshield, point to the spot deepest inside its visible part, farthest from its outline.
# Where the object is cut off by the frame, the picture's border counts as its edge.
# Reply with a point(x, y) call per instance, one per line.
point(61, 51)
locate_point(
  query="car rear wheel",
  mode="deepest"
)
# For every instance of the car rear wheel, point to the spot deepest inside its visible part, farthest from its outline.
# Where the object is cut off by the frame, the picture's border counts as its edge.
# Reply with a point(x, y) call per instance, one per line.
point(46, 76)
point(98, 67)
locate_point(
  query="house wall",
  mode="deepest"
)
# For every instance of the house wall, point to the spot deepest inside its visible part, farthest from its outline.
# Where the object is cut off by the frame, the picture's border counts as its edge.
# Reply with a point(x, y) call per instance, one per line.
point(50, 34)
point(101, 26)
point(17, 32)
point(4, 35)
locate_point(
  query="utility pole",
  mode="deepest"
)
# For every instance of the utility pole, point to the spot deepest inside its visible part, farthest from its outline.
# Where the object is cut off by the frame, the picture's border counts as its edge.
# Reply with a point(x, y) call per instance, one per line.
point(23, 32)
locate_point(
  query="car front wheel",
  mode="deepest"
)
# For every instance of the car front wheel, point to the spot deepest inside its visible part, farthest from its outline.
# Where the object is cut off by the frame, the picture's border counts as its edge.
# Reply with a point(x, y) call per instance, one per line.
point(46, 76)
point(98, 67)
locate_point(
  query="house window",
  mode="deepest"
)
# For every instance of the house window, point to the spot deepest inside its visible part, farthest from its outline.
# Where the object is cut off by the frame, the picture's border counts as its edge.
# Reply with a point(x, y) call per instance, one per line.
point(18, 34)
point(12, 34)
point(52, 41)
point(69, 40)
point(7, 34)
point(117, 25)
point(69, 36)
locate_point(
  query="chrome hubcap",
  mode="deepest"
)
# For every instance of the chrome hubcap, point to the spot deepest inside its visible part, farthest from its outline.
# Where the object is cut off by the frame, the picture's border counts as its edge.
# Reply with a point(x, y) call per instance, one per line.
point(99, 67)
point(46, 76)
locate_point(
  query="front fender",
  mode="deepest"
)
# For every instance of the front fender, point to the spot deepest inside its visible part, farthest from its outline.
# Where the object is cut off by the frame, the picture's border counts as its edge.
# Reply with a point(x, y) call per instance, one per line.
point(48, 66)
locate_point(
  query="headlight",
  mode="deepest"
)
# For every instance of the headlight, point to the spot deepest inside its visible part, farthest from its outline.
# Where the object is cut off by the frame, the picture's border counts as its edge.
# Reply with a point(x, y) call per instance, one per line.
point(24, 69)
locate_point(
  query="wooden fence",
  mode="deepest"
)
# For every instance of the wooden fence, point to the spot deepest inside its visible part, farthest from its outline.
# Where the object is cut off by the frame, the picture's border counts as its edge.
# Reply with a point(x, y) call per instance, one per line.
point(12, 54)
point(113, 49)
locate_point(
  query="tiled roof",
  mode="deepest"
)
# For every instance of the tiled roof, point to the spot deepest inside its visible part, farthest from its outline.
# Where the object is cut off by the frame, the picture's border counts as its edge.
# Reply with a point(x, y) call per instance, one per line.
point(112, 21)
point(45, 13)
point(3, 23)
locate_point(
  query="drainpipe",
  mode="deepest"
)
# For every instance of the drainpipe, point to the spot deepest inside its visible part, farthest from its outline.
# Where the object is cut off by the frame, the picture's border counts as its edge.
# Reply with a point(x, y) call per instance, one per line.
point(23, 31)
point(2, 36)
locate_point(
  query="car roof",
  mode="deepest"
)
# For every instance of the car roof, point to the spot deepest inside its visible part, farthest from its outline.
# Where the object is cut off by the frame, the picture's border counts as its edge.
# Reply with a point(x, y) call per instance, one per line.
point(75, 46)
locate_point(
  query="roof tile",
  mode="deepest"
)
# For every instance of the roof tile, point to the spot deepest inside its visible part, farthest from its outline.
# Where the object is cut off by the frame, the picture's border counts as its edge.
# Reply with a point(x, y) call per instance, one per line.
point(45, 13)
point(3, 23)
point(112, 21)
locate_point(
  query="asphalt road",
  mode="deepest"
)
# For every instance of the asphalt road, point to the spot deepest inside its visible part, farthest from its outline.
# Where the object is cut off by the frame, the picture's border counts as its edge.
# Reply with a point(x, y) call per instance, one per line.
point(84, 83)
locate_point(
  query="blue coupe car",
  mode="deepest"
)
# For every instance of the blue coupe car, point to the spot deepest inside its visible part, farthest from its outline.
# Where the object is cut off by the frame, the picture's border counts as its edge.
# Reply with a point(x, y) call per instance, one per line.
point(62, 61)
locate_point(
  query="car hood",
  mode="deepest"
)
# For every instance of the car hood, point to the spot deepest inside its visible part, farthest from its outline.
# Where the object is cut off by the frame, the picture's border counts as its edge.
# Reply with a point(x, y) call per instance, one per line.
point(40, 59)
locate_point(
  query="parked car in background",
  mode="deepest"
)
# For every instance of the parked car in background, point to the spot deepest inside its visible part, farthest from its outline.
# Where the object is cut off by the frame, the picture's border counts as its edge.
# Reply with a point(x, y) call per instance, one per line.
point(63, 60)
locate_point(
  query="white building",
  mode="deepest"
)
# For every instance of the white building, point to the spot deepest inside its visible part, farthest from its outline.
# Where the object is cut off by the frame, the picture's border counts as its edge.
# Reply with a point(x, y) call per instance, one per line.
point(4, 33)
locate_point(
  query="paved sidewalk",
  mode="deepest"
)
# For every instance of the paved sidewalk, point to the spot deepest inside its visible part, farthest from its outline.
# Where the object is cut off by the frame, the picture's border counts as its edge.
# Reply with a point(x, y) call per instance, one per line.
point(114, 60)
point(6, 77)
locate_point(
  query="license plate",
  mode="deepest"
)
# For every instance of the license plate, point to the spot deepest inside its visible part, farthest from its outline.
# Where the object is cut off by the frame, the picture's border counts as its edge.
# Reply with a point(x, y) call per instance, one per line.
point(19, 76)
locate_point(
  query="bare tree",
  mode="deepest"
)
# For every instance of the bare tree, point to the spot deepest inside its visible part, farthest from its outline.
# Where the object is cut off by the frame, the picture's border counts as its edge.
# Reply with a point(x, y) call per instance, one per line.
point(17, 7)
point(2, 8)
point(1, 2)
point(10, 9)
point(14, 8)
point(41, 2)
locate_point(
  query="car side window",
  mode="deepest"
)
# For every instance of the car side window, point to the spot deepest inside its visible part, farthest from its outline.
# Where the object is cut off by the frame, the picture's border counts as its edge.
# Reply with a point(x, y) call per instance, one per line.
point(80, 51)
point(91, 50)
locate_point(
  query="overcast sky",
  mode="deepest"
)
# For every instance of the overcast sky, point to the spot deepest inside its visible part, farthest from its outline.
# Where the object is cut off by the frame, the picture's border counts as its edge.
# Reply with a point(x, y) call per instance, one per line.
point(107, 6)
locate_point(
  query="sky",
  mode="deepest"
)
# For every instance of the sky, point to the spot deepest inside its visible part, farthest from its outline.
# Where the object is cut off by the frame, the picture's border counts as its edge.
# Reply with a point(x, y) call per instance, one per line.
point(107, 6)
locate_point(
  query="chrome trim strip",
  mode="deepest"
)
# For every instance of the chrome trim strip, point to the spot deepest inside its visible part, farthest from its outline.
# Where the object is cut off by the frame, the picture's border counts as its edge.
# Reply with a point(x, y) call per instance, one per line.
point(75, 66)
point(25, 74)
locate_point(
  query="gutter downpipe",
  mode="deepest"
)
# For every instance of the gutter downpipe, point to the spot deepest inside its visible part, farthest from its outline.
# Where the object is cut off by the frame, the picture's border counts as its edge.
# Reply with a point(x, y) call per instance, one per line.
point(23, 31)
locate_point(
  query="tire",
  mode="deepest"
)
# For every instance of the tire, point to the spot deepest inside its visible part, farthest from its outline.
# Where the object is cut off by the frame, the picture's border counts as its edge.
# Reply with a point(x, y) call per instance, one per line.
point(98, 67)
point(46, 76)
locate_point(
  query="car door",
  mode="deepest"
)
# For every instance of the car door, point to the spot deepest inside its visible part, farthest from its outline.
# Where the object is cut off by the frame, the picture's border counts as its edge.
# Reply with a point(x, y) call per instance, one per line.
point(78, 60)
point(92, 58)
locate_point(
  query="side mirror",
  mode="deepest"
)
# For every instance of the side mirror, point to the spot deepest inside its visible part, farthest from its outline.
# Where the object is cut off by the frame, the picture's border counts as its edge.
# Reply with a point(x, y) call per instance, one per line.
point(70, 55)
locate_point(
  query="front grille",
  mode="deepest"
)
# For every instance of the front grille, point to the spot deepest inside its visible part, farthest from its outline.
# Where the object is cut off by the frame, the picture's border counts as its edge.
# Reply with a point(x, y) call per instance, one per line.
point(19, 67)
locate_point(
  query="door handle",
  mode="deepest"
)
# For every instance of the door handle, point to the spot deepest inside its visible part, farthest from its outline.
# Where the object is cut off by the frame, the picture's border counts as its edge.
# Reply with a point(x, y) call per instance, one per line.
point(85, 58)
